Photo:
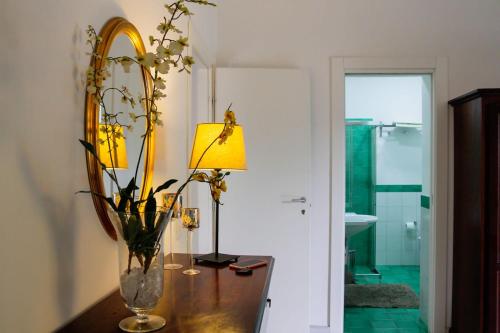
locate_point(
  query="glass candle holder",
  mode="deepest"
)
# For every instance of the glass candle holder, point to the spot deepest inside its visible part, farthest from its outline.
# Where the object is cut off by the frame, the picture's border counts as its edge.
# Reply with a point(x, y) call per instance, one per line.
point(190, 221)
point(168, 200)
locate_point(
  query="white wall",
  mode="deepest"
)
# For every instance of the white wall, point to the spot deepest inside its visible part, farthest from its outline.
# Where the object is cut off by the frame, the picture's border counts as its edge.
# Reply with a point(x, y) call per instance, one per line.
point(388, 99)
point(201, 112)
point(56, 258)
point(385, 99)
point(396, 244)
point(399, 156)
point(292, 33)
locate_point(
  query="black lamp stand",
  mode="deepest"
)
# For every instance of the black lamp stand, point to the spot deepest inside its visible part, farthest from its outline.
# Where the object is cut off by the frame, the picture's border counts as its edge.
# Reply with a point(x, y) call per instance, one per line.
point(216, 258)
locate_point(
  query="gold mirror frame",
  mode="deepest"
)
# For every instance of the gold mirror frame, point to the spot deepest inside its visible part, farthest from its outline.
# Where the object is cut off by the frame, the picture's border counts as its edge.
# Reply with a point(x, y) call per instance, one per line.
point(113, 28)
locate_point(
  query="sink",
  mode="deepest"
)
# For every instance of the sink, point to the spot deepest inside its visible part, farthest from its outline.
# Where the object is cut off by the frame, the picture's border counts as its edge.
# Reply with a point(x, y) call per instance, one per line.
point(355, 223)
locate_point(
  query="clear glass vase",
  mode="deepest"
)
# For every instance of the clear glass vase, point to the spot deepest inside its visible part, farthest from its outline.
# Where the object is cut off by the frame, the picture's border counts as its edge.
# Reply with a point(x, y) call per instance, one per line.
point(140, 258)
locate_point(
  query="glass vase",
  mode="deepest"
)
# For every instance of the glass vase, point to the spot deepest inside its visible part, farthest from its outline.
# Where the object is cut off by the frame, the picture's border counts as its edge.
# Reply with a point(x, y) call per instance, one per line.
point(140, 261)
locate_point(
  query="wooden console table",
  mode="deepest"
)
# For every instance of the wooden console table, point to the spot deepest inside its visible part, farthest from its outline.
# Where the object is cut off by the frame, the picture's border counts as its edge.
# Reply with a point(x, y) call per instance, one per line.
point(216, 300)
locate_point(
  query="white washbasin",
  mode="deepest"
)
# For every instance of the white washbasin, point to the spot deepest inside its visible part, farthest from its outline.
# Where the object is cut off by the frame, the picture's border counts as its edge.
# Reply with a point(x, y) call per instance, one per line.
point(355, 223)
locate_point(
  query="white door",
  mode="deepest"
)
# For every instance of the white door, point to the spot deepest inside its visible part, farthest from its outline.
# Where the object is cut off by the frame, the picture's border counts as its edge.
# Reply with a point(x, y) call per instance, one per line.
point(259, 213)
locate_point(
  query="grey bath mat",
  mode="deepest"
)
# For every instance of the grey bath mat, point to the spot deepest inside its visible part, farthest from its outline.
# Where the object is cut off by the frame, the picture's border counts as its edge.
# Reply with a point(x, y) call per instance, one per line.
point(380, 296)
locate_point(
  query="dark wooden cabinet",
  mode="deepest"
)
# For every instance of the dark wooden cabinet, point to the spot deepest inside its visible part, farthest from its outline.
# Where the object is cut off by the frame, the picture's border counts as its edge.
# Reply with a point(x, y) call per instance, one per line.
point(216, 300)
point(476, 245)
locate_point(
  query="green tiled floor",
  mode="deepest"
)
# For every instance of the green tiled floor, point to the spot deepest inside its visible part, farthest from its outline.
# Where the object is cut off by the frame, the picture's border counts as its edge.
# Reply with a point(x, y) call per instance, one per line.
point(382, 320)
point(409, 275)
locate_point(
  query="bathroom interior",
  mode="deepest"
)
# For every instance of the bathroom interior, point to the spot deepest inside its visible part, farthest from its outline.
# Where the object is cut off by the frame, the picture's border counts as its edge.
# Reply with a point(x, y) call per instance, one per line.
point(388, 181)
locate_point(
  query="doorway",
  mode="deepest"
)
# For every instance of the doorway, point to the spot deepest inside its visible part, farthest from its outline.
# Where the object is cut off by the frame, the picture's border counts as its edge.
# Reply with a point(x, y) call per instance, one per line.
point(387, 137)
point(438, 313)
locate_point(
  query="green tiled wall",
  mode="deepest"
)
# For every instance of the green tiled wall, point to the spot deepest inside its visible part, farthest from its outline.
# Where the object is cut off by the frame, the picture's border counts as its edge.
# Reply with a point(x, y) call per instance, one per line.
point(350, 120)
point(360, 175)
point(425, 201)
point(398, 188)
point(359, 169)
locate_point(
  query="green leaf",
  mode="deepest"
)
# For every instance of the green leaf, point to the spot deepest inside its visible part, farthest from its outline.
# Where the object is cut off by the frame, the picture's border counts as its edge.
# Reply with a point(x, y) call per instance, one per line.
point(134, 209)
point(125, 195)
point(131, 185)
point(123, 220)
point(150, 211)
point(108, 200)
point(165, 185)
point(91, 149)
point(161, 219)
point(111, 203)
point(134, 227)
point(122, 205)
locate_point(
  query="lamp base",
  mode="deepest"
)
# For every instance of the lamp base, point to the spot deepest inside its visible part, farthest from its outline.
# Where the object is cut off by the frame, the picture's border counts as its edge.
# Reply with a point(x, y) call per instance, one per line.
point(216, 258)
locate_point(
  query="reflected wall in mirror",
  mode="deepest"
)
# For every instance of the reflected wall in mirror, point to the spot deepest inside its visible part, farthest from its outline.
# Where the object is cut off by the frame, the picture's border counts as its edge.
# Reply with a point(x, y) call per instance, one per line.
point(116, 127)
point(126, 152)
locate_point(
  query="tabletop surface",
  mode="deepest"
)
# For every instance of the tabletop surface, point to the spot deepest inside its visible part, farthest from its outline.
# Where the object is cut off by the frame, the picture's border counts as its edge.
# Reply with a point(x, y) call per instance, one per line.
point(216, 300)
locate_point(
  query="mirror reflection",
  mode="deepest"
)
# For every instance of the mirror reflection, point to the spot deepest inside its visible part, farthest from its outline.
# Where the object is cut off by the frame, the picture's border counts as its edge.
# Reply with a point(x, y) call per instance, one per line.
point(124, 147)
point(115, 121)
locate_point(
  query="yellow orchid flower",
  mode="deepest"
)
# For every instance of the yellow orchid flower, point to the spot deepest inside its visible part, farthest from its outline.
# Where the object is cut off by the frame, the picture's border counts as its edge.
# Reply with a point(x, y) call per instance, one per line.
point(223, 186)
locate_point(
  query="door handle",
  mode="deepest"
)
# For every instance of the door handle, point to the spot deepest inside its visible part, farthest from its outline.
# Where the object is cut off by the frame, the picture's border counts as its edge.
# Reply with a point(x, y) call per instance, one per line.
point(296, 200)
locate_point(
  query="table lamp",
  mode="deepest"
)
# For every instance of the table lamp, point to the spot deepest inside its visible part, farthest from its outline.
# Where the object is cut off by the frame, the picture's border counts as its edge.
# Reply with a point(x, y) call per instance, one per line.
point(118, 148)
point(227, 156)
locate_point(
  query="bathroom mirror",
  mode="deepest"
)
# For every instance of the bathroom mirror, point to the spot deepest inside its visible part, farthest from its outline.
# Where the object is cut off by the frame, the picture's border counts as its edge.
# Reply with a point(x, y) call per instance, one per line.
point(119, 38)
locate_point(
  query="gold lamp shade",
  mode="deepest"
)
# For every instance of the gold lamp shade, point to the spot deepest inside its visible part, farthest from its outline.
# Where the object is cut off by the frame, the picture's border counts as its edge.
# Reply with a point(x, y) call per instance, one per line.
point(228, 156)
point(118, 146)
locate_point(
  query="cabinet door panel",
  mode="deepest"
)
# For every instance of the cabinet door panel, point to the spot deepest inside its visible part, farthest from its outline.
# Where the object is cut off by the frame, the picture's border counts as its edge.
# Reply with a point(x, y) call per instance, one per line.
point(468, 214)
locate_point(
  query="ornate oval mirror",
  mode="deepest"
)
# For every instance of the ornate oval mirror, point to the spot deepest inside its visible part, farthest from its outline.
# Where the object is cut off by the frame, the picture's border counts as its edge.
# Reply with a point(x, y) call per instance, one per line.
point(121, 153)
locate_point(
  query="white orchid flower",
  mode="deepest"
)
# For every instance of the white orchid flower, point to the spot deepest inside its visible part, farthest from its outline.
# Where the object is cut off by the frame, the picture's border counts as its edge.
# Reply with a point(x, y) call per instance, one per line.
point(162, 67)
point(147, 60)
point(157, 94)
point(176, 48)
point(162, 27)
point(163, 52)
point(126, 63)
point(160, 83)
point(188, 61)
point(183, 41)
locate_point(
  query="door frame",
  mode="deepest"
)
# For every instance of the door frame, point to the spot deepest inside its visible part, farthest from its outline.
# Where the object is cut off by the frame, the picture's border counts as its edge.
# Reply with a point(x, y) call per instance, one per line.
point(440, 240)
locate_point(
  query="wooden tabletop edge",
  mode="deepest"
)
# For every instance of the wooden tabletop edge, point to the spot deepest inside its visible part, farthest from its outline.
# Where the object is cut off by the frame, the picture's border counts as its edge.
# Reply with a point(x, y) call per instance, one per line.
point(263, 297)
